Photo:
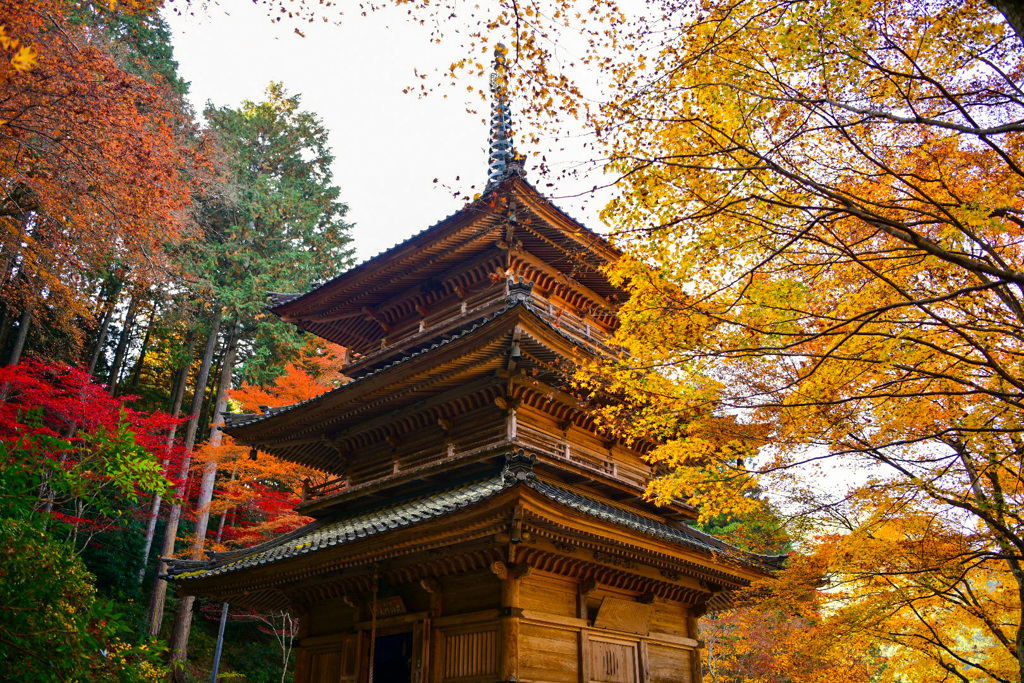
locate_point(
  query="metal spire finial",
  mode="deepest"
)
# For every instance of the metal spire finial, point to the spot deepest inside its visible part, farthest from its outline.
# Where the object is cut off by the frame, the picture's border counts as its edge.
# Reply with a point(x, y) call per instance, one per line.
point(503, 160)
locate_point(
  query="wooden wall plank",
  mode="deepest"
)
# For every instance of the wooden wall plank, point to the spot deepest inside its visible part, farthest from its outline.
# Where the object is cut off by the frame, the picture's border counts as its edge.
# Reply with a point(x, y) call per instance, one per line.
point(670, 617)
point(470, 592)
point(670, 664)
point(624, 615)
point(548, 655)
point(470, 655)
point(330, 616)
point(545, 593)
point(613, 662)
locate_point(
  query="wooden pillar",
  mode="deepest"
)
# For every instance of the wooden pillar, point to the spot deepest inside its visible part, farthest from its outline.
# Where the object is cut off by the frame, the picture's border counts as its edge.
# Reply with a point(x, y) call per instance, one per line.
point(645, 662)
point(364, 656)
point(584, 657)
point(420, 650)
point(585, 587)
point(510, 576)
point(435, 672)
point(425, 650)
point(433, 587)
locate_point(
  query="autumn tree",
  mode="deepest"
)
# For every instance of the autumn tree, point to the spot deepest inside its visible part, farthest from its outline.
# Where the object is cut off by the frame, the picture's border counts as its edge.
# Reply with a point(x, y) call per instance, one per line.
point(822, 212)
point(778, 632)
point(901, 576)
point(255, 498)
point(72, 452)
point(73, 461)
point(96, 172)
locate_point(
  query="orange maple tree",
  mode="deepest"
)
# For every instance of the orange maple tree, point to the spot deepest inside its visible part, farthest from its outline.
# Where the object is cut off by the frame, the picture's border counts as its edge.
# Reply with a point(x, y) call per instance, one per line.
point(97, 165)
point(256, 498)
point(781, 632)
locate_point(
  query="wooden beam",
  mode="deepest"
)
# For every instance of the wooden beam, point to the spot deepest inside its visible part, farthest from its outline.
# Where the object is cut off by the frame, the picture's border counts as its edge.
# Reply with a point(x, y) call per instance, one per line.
point(433, 586)
point(565, 279)
point(411, 294)
point(418, 407)
point(529, 227)
point(541, 387)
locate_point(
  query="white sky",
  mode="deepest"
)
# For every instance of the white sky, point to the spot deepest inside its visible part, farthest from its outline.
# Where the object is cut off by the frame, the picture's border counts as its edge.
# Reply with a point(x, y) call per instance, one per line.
point(389, 146)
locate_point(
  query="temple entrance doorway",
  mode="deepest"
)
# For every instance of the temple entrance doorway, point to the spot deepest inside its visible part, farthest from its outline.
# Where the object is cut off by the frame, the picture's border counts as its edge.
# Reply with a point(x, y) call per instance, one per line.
point(392, 658)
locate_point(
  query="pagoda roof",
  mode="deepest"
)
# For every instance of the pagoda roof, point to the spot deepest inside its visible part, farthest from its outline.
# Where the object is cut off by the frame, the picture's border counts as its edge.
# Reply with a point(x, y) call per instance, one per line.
point(298, 428)
point(323, 535)
point(343, 309)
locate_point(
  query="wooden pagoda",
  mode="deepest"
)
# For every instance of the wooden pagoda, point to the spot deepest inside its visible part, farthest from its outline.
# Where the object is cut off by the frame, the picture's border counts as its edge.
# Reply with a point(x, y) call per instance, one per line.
point(474, 525)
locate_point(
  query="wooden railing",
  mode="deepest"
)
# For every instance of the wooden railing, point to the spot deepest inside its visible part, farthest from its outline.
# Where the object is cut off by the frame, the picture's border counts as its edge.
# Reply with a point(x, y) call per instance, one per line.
point(566, 321)
point(437, 320)
point(578, 455)
point(570, 323)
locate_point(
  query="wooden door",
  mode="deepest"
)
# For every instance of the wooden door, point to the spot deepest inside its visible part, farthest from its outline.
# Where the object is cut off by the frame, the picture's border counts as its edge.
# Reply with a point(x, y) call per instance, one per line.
point(468, 655)
point(611, 661)
point(336, 665)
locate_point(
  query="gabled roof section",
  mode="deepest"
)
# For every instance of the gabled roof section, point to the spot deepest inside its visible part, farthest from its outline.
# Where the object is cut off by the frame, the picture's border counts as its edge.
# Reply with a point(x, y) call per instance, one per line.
point(321, 535)
point(471, 245)
point(467, 361)
point(478, 349)
point(683, 535)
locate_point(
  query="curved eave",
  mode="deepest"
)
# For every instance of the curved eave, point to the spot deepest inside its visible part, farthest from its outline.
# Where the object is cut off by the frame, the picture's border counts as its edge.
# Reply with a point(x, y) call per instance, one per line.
point(542, 330)
point(379, 266)
point(582, 234)
point(302, 436)
point(319, 433)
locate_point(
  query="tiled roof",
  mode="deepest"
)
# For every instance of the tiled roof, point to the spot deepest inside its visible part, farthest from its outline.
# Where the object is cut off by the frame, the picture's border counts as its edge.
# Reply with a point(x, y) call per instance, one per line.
point(585, 230)
point(280, 298)
point(238, 419)
point(320, 535)
point(233, 420)
point(685, 536)
point(363, 265)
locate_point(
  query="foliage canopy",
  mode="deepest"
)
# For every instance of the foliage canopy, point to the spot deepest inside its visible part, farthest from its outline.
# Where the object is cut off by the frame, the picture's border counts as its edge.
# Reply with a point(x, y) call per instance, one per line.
point(821, 203)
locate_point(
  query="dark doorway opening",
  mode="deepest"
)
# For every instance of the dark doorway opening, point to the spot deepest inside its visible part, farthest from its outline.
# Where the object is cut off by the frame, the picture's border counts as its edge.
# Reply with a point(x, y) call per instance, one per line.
point(392, 658)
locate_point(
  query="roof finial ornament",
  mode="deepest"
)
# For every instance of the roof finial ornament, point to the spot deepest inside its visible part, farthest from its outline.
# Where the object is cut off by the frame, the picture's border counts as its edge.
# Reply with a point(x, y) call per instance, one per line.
point(502, 161)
